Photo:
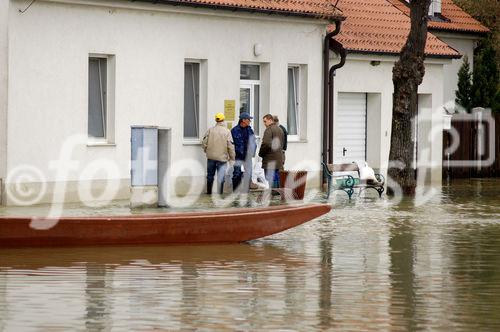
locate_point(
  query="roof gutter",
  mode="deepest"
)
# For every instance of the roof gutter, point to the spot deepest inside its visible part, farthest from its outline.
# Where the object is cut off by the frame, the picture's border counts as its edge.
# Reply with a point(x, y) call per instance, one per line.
point(339, 49)
point(328, 85)
point(427, 56)
point(326, 65)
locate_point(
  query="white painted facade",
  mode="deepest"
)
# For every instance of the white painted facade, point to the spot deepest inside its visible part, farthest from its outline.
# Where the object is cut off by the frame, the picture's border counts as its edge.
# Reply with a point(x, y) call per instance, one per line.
point(465, 45)
point(44, 92)
point(4, 9)
point(372, 74)
point(48, 50)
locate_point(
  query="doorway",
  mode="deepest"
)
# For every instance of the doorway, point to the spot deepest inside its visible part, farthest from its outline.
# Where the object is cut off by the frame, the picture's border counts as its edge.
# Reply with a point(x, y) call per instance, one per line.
point(350, 128)
point(250, 91)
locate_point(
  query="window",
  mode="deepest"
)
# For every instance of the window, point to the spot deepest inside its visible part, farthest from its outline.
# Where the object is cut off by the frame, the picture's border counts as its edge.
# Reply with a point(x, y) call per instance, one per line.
point(250, 92)
point(100, 125)
point(435, 8)
point(97, 117)
point(293, 106)
point(191, 100)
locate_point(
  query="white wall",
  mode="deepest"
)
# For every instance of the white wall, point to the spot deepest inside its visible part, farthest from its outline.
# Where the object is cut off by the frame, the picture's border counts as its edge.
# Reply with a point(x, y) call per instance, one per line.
point(358, 75)
point(4, 18)
point(465, 45)
point(49, 47)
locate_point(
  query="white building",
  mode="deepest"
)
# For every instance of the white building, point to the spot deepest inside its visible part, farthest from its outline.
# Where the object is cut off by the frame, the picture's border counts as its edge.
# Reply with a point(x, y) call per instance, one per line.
point(373, 34)
point(75, 75)
point(95, 68)
point(456, 28)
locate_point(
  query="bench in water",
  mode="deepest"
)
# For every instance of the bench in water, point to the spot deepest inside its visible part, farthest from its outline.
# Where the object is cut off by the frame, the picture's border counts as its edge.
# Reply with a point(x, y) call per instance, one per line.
point(338, 180)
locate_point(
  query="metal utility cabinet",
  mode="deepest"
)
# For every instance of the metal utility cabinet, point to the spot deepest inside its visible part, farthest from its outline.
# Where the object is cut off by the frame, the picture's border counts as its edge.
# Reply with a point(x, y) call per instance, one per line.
point(150, 158)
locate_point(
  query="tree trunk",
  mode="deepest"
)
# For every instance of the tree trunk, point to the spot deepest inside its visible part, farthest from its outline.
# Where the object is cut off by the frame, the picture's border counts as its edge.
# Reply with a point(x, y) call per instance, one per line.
point(407, 75)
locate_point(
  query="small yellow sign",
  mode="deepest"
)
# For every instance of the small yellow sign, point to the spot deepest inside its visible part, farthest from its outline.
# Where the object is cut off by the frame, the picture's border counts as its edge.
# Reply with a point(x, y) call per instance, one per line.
point(230, 109)
point(229, 125)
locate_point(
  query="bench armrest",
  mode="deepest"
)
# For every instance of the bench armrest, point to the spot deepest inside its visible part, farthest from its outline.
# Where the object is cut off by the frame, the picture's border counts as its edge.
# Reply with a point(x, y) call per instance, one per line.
point(326, 170)
point(348, 181)
point(380, 178)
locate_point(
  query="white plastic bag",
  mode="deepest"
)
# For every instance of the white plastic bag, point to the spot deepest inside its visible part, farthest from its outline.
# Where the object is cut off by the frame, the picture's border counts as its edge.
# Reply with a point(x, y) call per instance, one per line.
point(258, 175)
point(366, 172)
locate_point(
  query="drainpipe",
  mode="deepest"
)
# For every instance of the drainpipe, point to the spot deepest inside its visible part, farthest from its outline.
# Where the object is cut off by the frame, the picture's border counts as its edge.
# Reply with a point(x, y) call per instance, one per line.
point(326, 65)
point(339, 49)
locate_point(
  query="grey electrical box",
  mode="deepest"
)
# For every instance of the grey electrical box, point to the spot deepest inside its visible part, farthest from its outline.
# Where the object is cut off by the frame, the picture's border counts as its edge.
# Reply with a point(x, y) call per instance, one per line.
point(150, 157)
point(144, 167)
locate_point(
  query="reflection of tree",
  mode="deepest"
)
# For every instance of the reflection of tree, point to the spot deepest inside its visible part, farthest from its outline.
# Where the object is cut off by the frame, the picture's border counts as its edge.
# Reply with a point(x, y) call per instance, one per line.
point(325, 283)
point(97, 304)
point(475, 266)
point(402, 255)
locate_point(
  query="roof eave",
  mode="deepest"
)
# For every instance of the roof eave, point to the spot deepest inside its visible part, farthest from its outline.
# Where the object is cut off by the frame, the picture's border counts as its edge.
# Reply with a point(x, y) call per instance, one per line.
point(464, 32)
point(335, 17)
point(433, 56)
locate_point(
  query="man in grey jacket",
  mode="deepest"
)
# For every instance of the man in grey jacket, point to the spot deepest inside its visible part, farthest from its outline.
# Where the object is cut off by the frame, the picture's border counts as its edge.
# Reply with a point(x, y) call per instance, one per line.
point(271, 151)
point(218, 146)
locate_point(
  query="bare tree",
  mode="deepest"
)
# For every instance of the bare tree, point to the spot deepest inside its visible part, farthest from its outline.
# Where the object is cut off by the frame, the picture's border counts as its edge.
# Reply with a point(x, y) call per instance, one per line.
point(407, 75)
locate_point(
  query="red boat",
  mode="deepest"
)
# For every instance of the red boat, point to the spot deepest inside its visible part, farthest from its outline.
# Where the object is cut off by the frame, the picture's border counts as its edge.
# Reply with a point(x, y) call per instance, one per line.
point(229, 226)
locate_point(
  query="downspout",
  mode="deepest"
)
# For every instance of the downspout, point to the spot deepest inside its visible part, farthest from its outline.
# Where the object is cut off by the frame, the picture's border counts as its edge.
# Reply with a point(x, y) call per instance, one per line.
point(339, 49)
point(326, 65)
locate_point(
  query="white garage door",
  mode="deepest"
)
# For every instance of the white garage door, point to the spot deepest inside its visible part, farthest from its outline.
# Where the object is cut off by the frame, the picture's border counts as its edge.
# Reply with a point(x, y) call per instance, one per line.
point(350, 128)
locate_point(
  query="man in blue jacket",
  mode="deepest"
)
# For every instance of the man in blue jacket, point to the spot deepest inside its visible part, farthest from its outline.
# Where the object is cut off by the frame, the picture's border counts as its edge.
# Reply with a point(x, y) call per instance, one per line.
point(244, 146)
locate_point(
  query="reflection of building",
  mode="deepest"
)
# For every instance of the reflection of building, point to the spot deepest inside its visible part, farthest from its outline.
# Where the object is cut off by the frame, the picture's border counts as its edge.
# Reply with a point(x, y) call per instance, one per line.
point(154, 287)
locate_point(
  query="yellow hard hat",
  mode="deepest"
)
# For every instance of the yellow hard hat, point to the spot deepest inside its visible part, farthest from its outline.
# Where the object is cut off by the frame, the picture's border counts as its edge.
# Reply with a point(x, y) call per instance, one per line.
point(219, 117)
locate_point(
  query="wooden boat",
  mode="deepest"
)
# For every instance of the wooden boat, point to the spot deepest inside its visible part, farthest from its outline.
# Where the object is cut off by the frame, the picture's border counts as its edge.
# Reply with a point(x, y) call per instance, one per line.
point(229, 226)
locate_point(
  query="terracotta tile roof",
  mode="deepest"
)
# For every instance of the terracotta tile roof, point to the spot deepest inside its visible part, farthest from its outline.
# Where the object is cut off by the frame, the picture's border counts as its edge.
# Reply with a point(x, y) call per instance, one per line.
point(376, 26)
point(309, 8)
point(456, 19)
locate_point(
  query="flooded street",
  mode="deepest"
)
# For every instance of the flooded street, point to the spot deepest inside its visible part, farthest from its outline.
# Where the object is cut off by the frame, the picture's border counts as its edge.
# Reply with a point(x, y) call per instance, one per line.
point(367, 265)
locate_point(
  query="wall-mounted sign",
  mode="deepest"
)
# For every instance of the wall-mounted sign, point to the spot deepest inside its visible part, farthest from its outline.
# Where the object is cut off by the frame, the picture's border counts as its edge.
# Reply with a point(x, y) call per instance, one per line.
point(230, 109)
point(229, 125)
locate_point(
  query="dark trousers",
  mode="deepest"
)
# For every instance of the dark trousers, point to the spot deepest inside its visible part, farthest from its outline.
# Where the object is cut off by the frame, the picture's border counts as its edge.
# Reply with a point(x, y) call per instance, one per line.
point(273, 177)
point(212, 167)
point(241, 180)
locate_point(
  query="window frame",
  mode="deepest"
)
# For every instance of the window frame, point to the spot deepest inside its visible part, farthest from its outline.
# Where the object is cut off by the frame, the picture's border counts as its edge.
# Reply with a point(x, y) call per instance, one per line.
point(188, 140)
point(109, 128)
point(296, 69)
point(248, 83)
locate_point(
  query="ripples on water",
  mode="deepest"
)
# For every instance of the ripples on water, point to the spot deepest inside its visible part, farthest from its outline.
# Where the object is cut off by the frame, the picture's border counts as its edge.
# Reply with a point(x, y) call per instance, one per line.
point(368, 265)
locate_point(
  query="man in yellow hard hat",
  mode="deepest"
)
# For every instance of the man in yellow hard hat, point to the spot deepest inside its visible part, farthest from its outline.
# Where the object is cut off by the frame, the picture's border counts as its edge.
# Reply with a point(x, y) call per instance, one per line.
point(218, 146)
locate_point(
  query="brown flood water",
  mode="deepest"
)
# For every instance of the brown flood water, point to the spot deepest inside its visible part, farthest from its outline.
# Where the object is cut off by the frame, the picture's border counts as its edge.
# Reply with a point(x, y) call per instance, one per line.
point(368, 265)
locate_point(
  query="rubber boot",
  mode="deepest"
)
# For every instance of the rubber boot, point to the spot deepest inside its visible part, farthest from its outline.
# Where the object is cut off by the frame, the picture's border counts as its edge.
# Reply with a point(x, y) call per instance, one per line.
point(210, 184)
point(236, 184)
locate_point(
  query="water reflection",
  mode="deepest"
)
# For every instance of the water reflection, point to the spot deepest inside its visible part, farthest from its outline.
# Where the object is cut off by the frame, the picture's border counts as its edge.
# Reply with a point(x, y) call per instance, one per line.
point(3, 301)
point(476, 268)
point(97, 301)
point(325, 281)
point(366, 266)
point(402, 258)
